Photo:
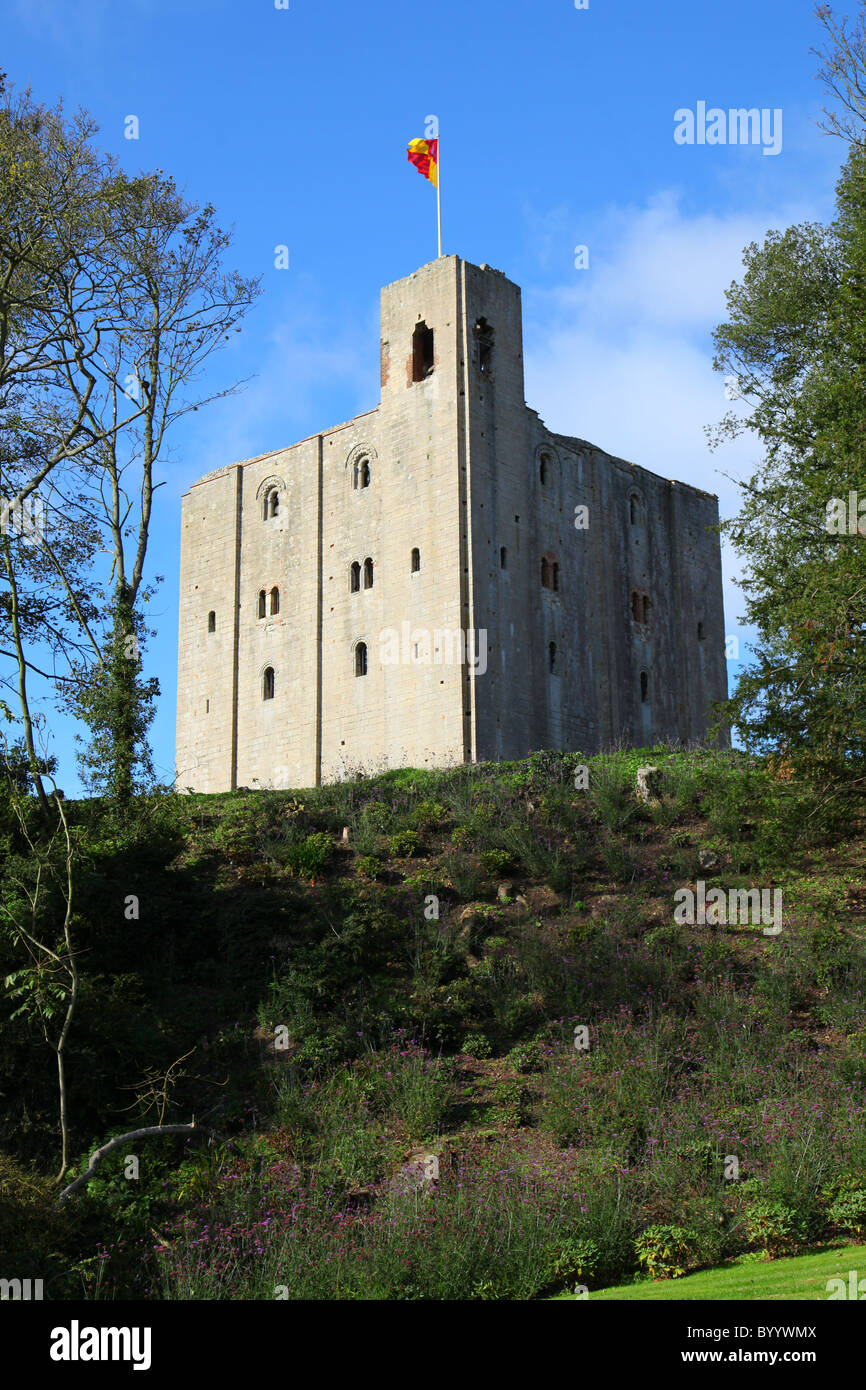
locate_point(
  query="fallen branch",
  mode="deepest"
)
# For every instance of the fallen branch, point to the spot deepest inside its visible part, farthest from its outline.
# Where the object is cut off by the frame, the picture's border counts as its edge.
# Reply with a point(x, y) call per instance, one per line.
point(99, 1154)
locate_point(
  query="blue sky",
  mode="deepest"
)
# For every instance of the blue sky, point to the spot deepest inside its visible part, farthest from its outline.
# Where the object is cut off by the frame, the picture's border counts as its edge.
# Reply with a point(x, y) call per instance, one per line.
point(556, 129)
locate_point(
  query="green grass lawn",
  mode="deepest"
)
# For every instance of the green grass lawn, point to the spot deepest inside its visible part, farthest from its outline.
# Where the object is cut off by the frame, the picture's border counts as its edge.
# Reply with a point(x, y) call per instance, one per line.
point(774, 1280)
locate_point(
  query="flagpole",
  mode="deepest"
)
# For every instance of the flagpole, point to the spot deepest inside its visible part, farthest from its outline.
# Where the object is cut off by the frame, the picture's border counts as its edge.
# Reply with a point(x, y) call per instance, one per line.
point(439, 191)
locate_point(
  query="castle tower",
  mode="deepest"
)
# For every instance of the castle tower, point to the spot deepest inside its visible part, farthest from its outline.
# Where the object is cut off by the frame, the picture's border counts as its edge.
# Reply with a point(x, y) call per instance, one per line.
point(441, 579)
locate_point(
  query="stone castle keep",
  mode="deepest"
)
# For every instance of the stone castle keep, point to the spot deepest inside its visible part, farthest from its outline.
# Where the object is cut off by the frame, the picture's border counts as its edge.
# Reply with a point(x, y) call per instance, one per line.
point(327, 589)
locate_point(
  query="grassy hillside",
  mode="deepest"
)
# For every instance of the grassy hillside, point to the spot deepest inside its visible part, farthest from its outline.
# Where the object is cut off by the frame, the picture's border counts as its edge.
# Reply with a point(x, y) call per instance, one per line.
point(374, 983)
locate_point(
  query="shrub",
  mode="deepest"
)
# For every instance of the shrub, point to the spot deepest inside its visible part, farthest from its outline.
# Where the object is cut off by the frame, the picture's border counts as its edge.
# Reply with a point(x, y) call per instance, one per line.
point(537, 856)
point(369, 866)
point(463, 837)
point(526, 1057)
point(610, 796)
point(476, 1045)
point(774, 1227)
point(309, 857)
point(235, 842)
point(848, 1212)
point(430, 814)
point(551, 765)
point(576, 1259)
point(376, 815)
point(496, 862)
point(403, 845)
point(666, 940)
point(509, 1104)
point(483, 1290)
point(667, 1252)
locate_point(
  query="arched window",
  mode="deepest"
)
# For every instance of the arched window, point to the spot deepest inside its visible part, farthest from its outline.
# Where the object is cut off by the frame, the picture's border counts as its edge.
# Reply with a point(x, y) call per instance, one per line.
point(354, 577)
point(268, 683)
point(368, 573)
point(271, 504)
point(211, 621)
point(544, 470)
point(361, 659)
point(361, 473)
point(263, 598)
point(644, 687)
point(551, 658)
point(422, 352)
point(275, 601)
point(635, 509)
point(503, 558)
point(416, 560)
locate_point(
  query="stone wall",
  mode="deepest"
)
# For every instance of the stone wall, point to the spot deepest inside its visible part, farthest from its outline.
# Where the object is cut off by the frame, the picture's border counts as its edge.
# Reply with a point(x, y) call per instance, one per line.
point(454, 465)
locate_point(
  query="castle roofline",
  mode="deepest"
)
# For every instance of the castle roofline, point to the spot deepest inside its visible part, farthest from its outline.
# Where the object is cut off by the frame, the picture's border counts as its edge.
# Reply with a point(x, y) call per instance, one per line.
point(580, 445)
point(439, 261)
point(272, 453)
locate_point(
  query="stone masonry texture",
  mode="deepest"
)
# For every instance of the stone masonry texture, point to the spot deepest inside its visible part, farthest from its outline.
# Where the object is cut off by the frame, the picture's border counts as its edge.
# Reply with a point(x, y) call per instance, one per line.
point(584, 591)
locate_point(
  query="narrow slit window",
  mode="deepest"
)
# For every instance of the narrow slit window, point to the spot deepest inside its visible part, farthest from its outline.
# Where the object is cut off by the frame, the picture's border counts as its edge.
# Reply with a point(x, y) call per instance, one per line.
point(503, 558)
point(268, 683)
point(364, 473)
point(211, 621)
point(416, 560)
point(700, 632)
point(354, 577)
point(551, 658)
point(368, 573)
point(544, 470)
point(545, 572)
point(263, 598)
point(644, 687)
point(361, 659)
point(484, 341)
point(554, 571)
point(275, 601)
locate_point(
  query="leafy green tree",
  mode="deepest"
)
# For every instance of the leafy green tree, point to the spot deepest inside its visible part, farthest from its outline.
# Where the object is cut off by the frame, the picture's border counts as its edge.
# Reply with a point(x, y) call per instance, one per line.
point(113, 297)
point(795, 340)
point(117, 703)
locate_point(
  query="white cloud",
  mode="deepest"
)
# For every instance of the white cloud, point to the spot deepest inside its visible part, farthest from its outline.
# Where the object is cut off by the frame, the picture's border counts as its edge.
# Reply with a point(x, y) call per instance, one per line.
point(621, 355)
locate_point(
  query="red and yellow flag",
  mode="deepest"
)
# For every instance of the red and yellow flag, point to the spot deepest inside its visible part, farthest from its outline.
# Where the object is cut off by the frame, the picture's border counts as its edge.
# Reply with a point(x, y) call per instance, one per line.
point(424, 154)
